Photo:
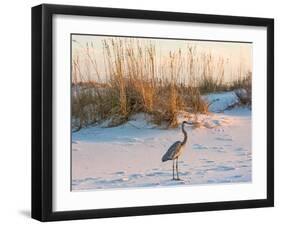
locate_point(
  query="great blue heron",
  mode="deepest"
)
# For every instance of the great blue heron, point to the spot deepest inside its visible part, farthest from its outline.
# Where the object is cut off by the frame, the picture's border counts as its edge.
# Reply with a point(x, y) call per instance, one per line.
point(175, 151)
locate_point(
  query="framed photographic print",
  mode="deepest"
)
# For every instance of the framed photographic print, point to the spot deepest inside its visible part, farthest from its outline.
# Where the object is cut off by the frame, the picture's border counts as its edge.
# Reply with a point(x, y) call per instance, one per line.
point(145, 112)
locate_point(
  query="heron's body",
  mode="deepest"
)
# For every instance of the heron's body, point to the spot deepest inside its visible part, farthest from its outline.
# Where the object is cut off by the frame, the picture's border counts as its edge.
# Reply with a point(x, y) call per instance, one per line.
point(175, 151)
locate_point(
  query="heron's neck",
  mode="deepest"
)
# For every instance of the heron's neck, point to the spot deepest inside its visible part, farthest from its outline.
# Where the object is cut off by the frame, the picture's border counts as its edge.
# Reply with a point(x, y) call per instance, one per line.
point(185, 135)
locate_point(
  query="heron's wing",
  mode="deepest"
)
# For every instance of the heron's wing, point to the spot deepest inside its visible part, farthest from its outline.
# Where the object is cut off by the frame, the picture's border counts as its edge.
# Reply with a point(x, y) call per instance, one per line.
point(171, 151)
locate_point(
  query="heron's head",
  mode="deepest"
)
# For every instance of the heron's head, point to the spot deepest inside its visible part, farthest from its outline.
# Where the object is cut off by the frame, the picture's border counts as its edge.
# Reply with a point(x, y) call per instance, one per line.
point(184, 123)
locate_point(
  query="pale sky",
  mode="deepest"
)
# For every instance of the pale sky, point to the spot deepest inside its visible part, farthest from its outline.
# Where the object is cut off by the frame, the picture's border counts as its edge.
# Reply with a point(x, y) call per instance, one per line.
point(232, 52)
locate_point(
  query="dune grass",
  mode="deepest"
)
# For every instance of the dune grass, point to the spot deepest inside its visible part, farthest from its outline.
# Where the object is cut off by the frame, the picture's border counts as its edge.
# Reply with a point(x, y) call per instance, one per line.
point(137, 80)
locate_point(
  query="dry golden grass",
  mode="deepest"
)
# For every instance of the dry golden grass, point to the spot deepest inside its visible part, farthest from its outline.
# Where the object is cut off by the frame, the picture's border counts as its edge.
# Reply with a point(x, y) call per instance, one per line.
point(137, 81)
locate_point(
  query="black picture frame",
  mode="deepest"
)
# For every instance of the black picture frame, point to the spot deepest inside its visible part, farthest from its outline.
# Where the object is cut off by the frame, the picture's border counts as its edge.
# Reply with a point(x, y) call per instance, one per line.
point(42, 107)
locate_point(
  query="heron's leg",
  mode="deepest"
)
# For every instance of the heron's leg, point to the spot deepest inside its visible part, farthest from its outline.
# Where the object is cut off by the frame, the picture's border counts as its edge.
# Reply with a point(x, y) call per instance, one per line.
point(173, 169)
point(177, 168)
